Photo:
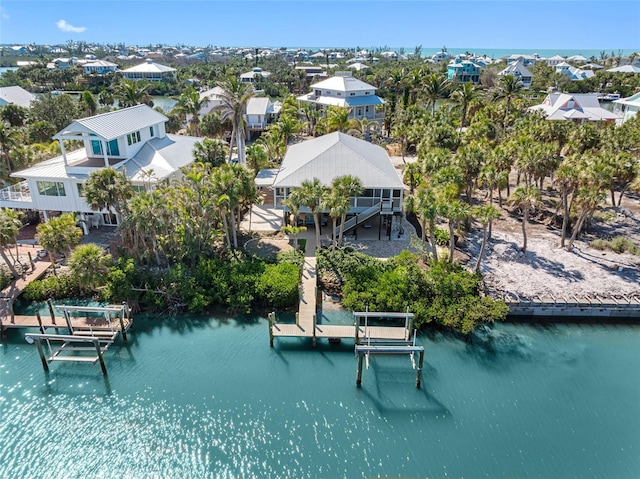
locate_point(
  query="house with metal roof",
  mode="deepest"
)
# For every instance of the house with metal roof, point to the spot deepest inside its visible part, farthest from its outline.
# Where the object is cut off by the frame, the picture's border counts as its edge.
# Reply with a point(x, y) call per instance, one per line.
point(576, 107)
point(99, 67)
point(258, 114)
point(132, 140)
point(576, 74)
point(345, 91)
point(555, 60)
point(338, 154)
point(526, 60)
point(627, 107)
point(463, 71)
point(518, 70)
point(257, 72)
point(149, 70)
point(15, 95)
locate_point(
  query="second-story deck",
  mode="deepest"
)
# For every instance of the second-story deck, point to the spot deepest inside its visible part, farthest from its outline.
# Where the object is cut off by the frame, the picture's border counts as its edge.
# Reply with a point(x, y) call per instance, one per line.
point(16, 196)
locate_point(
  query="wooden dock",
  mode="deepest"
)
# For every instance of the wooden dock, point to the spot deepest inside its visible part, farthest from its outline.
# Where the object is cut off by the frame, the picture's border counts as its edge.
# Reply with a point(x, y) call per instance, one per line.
point(18, 285)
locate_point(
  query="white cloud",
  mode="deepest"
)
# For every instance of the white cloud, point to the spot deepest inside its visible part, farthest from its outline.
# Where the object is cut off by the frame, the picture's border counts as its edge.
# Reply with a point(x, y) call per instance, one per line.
point(66, 27)
point(3, 14)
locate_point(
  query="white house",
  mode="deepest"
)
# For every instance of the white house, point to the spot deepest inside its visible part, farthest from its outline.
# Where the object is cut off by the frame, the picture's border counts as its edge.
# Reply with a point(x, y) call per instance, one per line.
point(99, 67)
point(132, 140)
point(576, 74)
point(555, 60)
point(259, 112)
point(338, 154)
point(625, 69)
point(250, 77)
point(149, 70)
point(15, 95)
point(576, 107)
point(526, 60)
point(213, 97)
point(518, 70)
point(345, 91)
point(627, 107)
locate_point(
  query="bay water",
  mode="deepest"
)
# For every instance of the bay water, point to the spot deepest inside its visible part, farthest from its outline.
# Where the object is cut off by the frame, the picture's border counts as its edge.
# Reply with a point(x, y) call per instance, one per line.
point(206, 397)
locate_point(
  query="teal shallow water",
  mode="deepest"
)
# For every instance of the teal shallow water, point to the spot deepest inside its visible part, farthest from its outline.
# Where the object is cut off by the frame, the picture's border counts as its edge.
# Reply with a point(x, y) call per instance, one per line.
point(199, 398)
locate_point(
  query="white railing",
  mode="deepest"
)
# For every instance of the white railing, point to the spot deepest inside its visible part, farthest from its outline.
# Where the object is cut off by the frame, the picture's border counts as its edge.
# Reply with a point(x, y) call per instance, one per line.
point(359, 218)
point(17, 192)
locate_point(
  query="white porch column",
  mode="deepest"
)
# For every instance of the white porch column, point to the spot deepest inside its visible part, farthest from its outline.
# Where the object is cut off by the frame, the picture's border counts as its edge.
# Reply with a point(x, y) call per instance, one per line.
point(45, 214)
point(104, 153)
point(64, 153)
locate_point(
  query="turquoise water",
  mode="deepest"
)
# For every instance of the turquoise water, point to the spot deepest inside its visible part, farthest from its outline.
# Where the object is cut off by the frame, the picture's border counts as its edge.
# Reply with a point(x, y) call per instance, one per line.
point(196, 397)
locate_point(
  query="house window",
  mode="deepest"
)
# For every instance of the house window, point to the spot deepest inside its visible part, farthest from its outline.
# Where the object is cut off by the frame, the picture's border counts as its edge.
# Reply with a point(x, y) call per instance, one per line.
point(133, 138)
point(96, 147)
point(138, 188)
point(151, 131)
point(352, 94)
point(339, 94)
point(112, 148)
point(80, 189)
point(50, 188)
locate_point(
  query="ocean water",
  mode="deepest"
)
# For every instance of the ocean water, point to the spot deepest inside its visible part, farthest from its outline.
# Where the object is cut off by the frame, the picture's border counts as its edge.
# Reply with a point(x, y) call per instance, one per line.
point(198, 397)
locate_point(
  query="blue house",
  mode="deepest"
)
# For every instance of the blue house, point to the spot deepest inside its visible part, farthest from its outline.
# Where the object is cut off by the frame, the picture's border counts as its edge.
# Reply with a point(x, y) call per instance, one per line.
point(462, 71)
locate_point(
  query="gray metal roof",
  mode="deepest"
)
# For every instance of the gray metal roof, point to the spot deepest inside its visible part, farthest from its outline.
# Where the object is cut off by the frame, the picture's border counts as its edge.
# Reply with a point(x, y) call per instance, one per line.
point(342, 83)
point(164, 156)
point(558, 106)
point(149, 67)
point(259, 106)
point(337, 154)
point(15, 95)
point(114, 124)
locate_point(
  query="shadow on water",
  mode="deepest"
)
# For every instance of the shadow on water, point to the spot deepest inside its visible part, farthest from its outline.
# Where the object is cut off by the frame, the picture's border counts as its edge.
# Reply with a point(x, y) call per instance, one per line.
point(57, 382)
point(392, 391)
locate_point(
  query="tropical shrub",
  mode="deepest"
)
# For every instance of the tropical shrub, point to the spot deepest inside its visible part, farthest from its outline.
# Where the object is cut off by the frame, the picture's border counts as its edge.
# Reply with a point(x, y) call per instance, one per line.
point(62, 286)
point(278, 285)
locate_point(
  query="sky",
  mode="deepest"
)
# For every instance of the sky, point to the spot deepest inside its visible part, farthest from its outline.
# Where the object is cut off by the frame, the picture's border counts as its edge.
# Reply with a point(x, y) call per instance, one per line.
point(542, 24)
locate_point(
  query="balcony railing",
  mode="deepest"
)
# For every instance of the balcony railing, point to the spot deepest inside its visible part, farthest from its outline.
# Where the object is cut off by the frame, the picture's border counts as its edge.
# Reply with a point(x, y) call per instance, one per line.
point(17, 192)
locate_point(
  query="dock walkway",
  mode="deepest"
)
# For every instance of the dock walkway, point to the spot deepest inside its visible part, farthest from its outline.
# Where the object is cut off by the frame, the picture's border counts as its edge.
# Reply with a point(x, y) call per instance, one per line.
point(306, 319)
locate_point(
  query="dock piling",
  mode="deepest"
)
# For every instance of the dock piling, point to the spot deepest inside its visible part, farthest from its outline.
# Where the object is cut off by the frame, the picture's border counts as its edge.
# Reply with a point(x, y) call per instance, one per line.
point(51, 312)
point(419, 370)
point(271, 317)
point(121, 316)
point(45, 364)
point(40, 326)
point(359, 373)
point(96, 343)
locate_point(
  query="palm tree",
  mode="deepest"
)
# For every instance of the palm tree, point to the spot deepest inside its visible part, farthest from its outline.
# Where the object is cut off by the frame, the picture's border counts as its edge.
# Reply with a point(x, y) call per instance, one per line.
point(566, 177)
point(348, 187)
point(58, 235)
point(509, 87)
point(108, 189)
point(455, 211)
point(257, 158)
point(292, 228)
point(287, 126)
point(131, 93)
point(8, 140)
point(526, 198)
point(210, 151)
point(463, 96)
point(486, 215)
point(190, 105)
point(434, 88)
point(338, 118)
point(10, 225)
point(425, 205)
point(90, 265)
point(309, 194)
point(412, 176)
point(234, 97)
point(337, 204)
point(587, 198)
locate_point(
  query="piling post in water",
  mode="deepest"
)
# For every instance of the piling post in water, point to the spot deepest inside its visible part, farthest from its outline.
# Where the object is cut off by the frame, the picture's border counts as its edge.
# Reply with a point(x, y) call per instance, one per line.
point(121, 316)
point(419, 371)
point(51, 312)
point(45, 364)
point(314, 340)
point(96, 343)
point(359, 373)
point(42, 330)
point(297, 318)
point(271, 321)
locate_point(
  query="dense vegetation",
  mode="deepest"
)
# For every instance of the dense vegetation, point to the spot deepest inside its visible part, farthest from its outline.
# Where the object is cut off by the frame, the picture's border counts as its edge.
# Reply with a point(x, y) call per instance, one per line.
point(443, 294)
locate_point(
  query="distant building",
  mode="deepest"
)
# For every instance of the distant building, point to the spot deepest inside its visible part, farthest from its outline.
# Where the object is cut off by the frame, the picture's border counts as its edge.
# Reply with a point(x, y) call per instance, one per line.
point(518, 70)
point(151, 71)
point(625, 69)
point(258, 113)
point(575, 107)
point(250, 77)
point(526, 60)
point(627, 107)
point(575, 74)
point(441, 56)
point(99, 67)
point(15, 95)
point(345, 91)
point(555, 60)
point(463, 71)
point(62, 63)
